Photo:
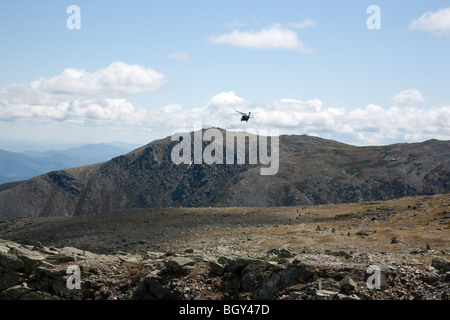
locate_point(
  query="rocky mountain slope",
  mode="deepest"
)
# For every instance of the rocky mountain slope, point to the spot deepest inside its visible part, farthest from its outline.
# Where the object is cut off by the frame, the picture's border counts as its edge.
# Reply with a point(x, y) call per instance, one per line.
point(311, 171)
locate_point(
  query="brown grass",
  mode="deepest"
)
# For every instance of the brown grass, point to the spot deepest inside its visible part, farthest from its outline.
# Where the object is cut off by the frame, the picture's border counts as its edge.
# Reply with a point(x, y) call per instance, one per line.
point(252, 229)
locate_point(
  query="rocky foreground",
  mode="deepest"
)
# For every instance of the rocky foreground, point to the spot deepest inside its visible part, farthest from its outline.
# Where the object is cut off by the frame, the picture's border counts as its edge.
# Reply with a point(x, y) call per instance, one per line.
point(37, 272)
point(316, 252)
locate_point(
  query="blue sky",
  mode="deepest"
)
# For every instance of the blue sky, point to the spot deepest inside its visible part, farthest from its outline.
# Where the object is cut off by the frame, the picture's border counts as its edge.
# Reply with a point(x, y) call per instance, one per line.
point(147, 68)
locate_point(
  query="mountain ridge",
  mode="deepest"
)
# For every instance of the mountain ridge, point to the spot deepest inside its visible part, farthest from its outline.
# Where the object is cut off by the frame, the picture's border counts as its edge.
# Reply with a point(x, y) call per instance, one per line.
point(312, 171)
point(16, 166)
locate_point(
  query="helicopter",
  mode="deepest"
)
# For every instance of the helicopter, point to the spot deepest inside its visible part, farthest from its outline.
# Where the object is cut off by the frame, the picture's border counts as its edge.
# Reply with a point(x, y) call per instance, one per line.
point(244, 116)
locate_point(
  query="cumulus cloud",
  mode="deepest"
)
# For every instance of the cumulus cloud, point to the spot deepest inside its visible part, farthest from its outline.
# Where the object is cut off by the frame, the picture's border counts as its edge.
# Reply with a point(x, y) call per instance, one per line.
point(408, 97)
point(78, 95)
point(117, 79)
point(275, 37)
point(217, 112)
point(437, 22)
point(225, 100)
point(372, 124)
point(106, 110)
point(375, 124)
point(182, 56)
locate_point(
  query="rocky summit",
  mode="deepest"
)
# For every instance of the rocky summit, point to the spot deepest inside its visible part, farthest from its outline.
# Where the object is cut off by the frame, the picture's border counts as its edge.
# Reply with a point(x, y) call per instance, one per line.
point(311, 171)
point(42, 273)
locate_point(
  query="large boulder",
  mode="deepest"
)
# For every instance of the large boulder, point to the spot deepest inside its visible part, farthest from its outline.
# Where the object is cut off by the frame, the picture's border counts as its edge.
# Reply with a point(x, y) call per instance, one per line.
point(10, 279)
point(15, 292)
point(441, 264)
point(278, 280)
point(348, 284)
point(29, 257)
point(9, 262)
point(179, 264)
point(154, 287)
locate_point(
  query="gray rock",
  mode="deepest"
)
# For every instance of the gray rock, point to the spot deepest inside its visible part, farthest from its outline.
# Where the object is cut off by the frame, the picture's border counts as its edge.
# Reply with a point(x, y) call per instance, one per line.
point(39, 295)
point(284, 254)
point(329, 285)
point(29, 258)
point(3, 248)
point(77, 253)
point(62, 258)
point(256, 266)
point(216, 268)
point(46, 272)
point(223, 260)
point(395, 240)
point(15, 292)
point(324, 295)
point(187, 270)
point(153, 287)
point(345, 254)
point(58, 285)
point(272, 252)
point(348, 284)
point(176, 264)
point(338, 254)
point(346, 297)
point(431, 278)
point(10, 262)
point(289, 276)
point(129, 258)
point(10, 279)
point(441, 264)
point(236, 265)
point(253, 275)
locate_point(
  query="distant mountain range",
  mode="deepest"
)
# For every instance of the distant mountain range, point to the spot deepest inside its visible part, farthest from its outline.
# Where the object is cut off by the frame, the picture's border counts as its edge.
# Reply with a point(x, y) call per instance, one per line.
point(17, 166)
point(311, 171)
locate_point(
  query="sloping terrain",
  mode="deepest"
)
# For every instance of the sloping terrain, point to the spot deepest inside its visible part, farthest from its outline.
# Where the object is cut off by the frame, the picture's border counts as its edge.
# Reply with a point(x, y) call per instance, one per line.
point(311, 171)
point(317, 252)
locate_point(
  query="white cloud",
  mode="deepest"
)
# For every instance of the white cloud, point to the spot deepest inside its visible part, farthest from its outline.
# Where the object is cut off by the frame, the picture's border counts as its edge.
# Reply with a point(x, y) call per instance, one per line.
point(118, 79)
point(376, 124)
point(225, 99)
point(107, 110)
point(408, 97)
point(182, 56)
point(275, 37)
point(437, 22)
point(372, 124)
point(78, 95)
